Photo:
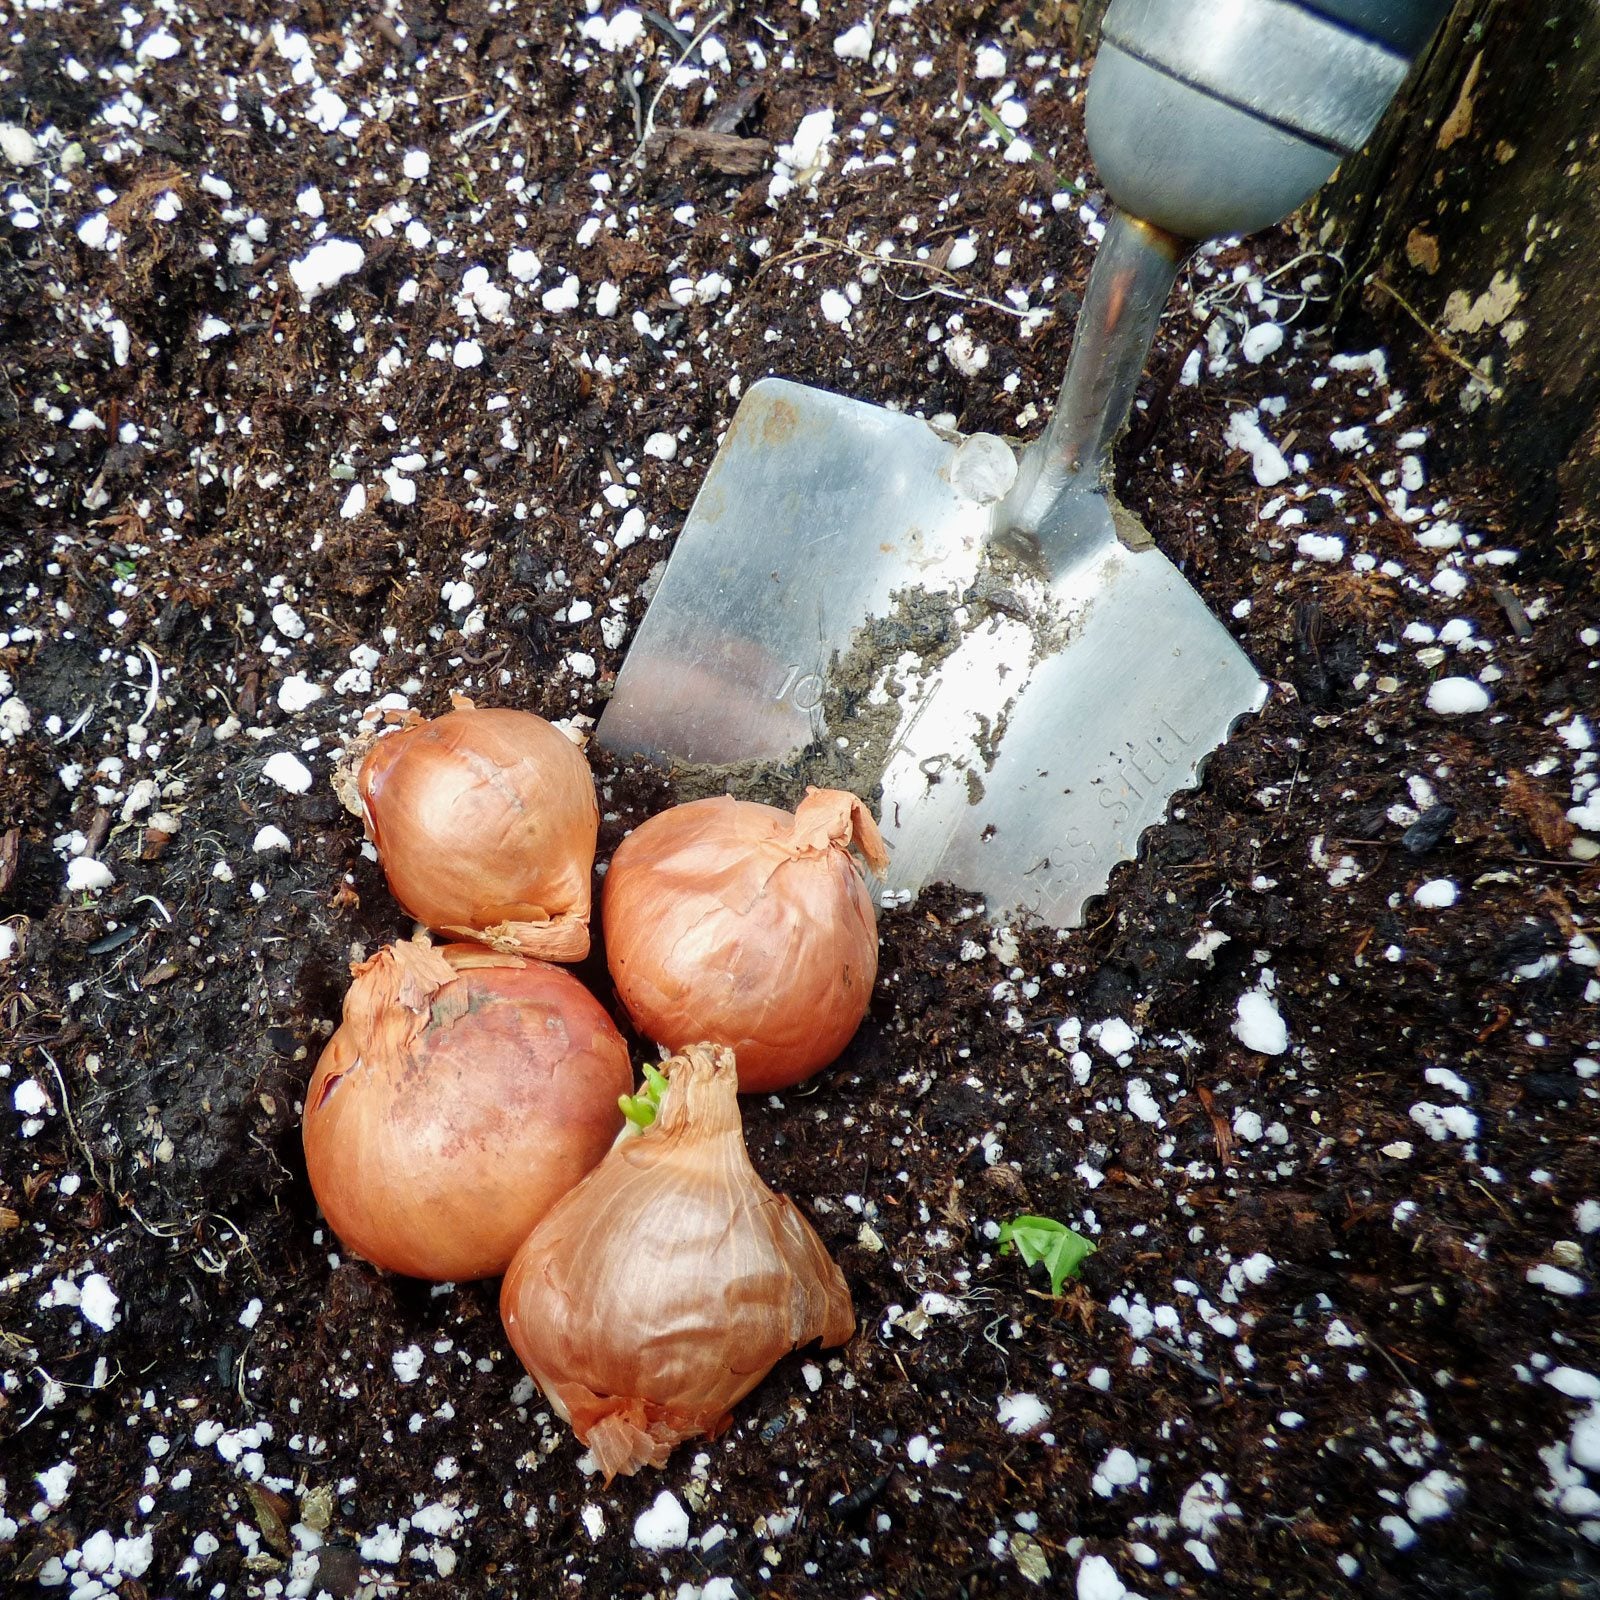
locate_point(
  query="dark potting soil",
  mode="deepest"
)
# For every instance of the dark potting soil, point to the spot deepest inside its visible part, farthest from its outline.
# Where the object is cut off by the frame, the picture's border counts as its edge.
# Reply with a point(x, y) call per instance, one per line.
point(1333, 1138)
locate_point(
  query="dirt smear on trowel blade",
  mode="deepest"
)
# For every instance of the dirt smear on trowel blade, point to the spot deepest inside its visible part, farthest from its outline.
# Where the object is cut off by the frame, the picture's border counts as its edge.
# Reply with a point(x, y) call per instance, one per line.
point(859, 715)
point(874, 685)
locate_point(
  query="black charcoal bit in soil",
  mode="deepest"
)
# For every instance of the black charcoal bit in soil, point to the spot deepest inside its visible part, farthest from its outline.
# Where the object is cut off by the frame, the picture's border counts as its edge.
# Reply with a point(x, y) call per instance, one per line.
point(1429, 830)
point(1289, 1193)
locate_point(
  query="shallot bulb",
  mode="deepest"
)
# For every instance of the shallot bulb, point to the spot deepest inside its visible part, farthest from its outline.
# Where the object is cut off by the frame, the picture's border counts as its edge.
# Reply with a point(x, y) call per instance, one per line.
point(485, 822)
point(737, 923)
point(659, 1292)
point(463, 1094)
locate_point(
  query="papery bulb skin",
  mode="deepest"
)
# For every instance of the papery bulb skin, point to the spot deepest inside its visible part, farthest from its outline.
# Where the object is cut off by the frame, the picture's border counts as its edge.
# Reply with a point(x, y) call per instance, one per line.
point(463, 1094)
point(485, 823)
point(663, 1288)
point(740, 924)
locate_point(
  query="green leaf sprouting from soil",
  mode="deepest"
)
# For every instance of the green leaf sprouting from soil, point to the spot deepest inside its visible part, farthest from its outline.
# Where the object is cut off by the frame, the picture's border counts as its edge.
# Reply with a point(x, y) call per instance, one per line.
point(1008, 137)
point(1063, 1250)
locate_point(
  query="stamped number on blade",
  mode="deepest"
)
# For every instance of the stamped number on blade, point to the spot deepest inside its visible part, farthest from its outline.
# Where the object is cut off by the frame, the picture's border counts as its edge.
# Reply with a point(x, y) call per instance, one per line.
point(802, 688)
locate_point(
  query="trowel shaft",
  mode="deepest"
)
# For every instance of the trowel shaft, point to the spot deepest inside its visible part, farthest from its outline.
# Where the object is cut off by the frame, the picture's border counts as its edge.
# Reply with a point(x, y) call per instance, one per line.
point(1204, 119)
point(1128, 286)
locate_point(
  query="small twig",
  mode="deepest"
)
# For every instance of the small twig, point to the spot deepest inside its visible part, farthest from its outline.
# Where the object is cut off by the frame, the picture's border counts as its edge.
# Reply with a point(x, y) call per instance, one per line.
point(1388, 512)
point(158, 1230)
point(66, 1112)
point(1441, 343)
point(242, 1237)
point(239, 1372)
point(1172, 1353)
point(858, 1499)
point(207, 1259)
point(152, 702)
point(629, 88)
point(944, 292)
point(1220, 297)
point(1372, 1344)
point(1515, 615)
point(812, 249)
point(674, 35)
point(486, 124)
point(77, 727)
point(714, 20)
point(1493, 1199)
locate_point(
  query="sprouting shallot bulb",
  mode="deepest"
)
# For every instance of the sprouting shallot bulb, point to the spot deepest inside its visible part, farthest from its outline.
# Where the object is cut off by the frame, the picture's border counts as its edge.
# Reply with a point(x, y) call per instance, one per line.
point(735, 922)
point(485, 822)
point(660, 1291)
point(464, 1093)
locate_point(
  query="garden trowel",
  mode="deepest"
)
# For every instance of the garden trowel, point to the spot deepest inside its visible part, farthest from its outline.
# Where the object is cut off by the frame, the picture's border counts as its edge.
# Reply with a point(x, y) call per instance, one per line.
point(991, 643)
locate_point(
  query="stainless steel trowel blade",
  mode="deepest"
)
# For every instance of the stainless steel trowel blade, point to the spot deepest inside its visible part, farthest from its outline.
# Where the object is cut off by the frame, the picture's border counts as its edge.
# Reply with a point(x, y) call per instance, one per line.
point(1024, 776)
point(816, 511)
point(1029, 780)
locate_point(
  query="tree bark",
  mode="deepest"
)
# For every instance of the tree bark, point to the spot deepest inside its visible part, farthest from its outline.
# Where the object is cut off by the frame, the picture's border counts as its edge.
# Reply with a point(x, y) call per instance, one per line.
point(1075, 23)
point(1470, 223)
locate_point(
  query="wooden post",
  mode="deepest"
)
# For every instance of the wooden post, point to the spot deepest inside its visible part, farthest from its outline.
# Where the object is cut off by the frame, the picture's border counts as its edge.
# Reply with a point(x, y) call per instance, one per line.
point(1471, 223)
point(1075, 23)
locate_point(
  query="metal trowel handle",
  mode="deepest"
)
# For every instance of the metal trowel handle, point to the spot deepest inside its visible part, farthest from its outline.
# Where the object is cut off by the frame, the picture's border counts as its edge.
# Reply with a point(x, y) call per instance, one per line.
point(1210, 117)
point(1204, 118)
